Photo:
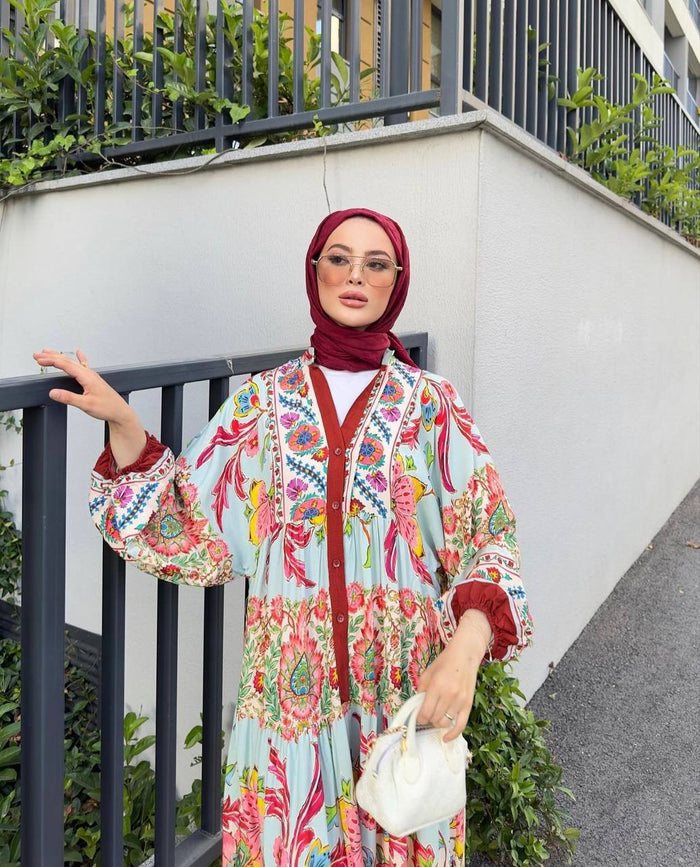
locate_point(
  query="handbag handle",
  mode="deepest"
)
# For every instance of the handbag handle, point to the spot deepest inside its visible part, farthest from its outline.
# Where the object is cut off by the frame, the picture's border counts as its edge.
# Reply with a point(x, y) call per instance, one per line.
point(406, 718)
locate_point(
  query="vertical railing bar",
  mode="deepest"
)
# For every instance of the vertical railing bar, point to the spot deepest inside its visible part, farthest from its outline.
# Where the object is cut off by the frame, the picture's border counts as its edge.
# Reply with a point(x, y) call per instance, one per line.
point(16, 118)
point(355, 24)
point(622, 62)
point(299, 55)
point(495, 55)
point(273, 58)
point(589, 59)
point(178, 46)
point(42, 628)
point(384, 48)
point(468, 47)
point(138, 80)
point(100, 72)
point(531, 122)
point(326, 53)
point(247, 54)
point(200, 61)
point(213, 674)
point(452, 58)
point(541, 39)
point(67, 102)
point(158, 74)
point(572, 58)
point(82, 31)
point(166, 666)
point(563, 67)
point(482, 49)
point(615, 58)
point(520, 109)
point(112, 705)
point(416, 45)
point(224, 80)
point(508, 60)
point(399, 57)
point(605, 83)
point(4, 24)
point(117, 75)
point(555, 64)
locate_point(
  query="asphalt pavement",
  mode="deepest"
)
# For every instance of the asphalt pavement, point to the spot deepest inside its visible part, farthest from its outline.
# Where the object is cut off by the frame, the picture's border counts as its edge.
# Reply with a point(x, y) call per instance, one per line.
point(624, 705)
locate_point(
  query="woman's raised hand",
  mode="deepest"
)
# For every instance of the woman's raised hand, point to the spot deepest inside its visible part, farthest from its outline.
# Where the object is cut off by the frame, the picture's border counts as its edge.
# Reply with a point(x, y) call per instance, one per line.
point(99, 400)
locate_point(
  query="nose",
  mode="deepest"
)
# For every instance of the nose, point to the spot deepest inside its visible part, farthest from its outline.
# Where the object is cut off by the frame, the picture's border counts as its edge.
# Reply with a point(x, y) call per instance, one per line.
point(356, 274)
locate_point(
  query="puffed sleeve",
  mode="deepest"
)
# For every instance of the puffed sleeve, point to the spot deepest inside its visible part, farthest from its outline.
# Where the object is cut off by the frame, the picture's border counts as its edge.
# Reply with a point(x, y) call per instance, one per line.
point(480, 556)
point(199, 518)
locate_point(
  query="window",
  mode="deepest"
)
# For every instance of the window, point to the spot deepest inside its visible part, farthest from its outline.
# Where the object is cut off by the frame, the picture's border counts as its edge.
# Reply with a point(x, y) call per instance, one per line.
point(338, 25)
point(435, 43)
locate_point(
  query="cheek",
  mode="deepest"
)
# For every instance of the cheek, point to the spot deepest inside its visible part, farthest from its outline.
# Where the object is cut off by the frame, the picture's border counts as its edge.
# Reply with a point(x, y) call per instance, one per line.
point(380, 302)
point(325, 296)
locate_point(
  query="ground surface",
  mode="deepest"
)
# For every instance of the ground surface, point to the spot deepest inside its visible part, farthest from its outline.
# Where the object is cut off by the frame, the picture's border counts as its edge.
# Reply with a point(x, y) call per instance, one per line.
point(624, 704)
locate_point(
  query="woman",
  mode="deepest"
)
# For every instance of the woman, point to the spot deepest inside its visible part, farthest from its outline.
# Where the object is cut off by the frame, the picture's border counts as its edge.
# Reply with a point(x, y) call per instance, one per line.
point(354, 493)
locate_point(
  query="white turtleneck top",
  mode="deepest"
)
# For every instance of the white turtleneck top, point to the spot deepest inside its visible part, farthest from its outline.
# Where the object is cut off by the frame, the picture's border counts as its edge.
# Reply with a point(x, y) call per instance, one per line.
point(346, 386)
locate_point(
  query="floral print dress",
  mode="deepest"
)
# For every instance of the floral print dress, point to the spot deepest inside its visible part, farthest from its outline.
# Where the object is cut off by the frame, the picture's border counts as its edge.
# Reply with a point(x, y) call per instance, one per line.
point(362, 545)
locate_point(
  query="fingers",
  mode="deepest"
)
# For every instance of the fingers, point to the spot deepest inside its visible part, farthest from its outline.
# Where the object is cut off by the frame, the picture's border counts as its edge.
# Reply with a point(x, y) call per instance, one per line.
point(458, 726)
point(76, 369)
point(449, 694)
point(51, 358)
point(70, 398)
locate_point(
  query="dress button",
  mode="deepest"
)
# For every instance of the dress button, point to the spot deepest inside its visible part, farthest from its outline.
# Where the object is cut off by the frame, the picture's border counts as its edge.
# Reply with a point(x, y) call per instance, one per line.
point(340, 618)
point(335, 504)
point(338, 451)
point(336, 563)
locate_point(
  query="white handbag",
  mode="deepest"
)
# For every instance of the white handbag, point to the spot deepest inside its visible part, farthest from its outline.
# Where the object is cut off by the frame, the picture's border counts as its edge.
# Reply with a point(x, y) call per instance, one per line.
point(412, 778)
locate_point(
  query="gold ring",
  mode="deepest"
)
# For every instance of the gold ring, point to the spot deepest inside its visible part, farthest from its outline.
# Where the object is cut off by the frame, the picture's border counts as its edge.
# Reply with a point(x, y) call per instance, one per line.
point(449, 716)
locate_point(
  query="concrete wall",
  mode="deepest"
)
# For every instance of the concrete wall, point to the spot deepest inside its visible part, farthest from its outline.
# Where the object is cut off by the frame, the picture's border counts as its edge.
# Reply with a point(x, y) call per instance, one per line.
point(569, 322)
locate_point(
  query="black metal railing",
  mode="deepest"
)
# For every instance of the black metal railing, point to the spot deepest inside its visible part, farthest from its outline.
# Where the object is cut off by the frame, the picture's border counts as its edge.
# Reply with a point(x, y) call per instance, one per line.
point(518, 57)
point(43, 625)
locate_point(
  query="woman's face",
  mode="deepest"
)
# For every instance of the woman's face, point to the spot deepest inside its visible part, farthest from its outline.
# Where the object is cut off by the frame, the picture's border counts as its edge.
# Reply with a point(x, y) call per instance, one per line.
point(355, 302)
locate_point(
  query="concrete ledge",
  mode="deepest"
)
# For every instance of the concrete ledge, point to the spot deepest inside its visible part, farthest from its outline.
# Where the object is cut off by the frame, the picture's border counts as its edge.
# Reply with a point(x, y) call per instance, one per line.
point(484, 119)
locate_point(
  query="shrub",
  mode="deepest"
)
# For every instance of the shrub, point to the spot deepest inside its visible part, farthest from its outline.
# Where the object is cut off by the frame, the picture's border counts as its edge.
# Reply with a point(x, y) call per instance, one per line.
point(54, 63)
point(513, 783)
point(618, 148)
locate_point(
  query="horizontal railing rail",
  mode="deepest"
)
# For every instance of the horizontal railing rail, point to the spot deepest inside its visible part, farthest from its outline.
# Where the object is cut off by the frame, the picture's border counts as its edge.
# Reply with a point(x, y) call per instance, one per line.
point(43, 623)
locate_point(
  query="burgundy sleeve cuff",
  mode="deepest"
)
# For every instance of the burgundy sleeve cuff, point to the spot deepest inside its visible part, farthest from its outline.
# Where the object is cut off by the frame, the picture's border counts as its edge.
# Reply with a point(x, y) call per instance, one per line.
point(151, 454)
point(495, 604)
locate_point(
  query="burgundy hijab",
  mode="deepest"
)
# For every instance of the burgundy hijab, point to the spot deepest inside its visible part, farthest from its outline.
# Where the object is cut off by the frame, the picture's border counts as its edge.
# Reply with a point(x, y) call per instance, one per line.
point(342, 348)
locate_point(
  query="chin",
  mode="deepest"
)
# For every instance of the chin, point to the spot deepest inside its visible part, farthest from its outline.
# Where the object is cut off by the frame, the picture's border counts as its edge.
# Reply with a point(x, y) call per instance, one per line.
point(356, 326)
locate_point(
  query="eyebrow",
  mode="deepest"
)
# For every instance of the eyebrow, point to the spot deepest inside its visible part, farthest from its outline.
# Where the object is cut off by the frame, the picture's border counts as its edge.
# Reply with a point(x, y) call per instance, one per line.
point(367, 253)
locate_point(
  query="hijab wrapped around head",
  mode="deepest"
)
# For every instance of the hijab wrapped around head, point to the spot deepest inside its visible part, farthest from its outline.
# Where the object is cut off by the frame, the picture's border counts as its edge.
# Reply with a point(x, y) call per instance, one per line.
point(342, 348)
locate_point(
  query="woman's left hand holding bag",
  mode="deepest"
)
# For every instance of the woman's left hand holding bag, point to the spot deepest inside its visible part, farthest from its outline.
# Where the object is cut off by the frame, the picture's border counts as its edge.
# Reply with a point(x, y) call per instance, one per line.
point(449, 682)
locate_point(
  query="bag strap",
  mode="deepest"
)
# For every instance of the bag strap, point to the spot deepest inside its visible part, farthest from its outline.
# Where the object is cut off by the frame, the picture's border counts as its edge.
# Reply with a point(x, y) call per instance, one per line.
point(406, 716)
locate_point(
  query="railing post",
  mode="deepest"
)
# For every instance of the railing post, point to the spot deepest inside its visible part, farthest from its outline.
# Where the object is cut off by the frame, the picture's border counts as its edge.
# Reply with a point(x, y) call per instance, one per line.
point(43, 624)
point(166, 666)
point(399, 54)
point(213, 672)
point(452, 57)
point(112, 704)
point(112, 708)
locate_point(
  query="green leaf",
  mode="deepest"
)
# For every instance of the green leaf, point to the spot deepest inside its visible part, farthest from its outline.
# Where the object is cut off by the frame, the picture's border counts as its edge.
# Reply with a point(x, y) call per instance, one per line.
point(193, 736)
point(9, 755)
